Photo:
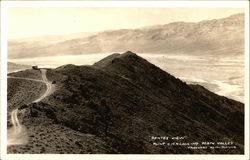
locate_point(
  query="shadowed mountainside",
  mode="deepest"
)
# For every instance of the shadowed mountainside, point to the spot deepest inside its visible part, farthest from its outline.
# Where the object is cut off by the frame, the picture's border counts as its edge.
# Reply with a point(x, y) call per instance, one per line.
point(120, 102)
point(218, 37)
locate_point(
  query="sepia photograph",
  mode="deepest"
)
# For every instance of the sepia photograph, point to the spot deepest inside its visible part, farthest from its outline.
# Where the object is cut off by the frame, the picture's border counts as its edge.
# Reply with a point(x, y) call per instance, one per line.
point(125, 80)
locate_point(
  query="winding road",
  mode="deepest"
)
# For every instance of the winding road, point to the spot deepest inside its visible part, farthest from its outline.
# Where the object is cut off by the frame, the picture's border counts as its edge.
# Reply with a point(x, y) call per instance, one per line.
point(50, 87)
point(17, 134)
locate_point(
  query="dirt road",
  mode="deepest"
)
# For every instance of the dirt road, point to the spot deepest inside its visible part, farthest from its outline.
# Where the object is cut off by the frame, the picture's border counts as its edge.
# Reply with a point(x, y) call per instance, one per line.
point(17, 134)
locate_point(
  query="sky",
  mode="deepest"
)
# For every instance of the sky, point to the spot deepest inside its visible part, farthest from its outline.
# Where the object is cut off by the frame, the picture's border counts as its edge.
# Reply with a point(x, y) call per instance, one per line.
point(39, 21)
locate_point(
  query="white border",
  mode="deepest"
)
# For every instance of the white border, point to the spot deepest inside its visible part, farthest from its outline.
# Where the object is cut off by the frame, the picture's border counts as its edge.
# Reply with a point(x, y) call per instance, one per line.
point(150, 4)
point(246, 87)
point(170, 4)
point(3, 86)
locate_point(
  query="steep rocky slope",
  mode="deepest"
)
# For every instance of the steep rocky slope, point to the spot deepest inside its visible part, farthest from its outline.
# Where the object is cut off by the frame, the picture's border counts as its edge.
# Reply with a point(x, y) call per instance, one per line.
point(120, 103)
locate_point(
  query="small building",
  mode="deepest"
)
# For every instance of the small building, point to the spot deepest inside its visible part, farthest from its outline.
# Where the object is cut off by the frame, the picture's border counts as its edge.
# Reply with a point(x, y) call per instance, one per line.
point(35, 67)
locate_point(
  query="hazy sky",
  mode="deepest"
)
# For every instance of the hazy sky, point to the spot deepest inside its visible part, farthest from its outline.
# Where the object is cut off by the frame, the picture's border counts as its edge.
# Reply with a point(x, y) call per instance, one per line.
point(38, 21)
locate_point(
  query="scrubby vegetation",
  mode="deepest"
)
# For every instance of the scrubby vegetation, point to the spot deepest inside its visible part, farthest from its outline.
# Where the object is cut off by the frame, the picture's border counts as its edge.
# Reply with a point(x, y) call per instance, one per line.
point(117, 104)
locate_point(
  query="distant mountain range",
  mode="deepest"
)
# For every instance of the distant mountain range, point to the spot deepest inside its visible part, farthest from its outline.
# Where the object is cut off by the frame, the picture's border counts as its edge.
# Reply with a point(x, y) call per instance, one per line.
point(13, 67)
point(118, 104)
point(218, 37)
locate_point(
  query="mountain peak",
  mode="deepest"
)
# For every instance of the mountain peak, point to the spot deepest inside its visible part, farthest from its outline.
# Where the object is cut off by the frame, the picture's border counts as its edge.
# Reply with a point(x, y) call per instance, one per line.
point(67, 66)
point(239, 15)
point(104, 101)
point(129, 53)
point(113, 58)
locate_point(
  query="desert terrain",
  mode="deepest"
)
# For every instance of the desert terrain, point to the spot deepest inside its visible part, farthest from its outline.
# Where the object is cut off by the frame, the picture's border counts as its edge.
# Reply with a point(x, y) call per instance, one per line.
point(109, 103)
point(91, 95)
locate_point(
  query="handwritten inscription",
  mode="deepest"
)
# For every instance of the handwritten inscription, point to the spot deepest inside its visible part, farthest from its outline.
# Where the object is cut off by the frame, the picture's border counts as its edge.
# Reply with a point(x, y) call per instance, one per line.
point(183, 141)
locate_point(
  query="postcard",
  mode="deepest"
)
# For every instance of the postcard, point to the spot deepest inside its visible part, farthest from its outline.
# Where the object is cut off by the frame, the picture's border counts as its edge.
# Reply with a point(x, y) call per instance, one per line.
point(125, 80)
